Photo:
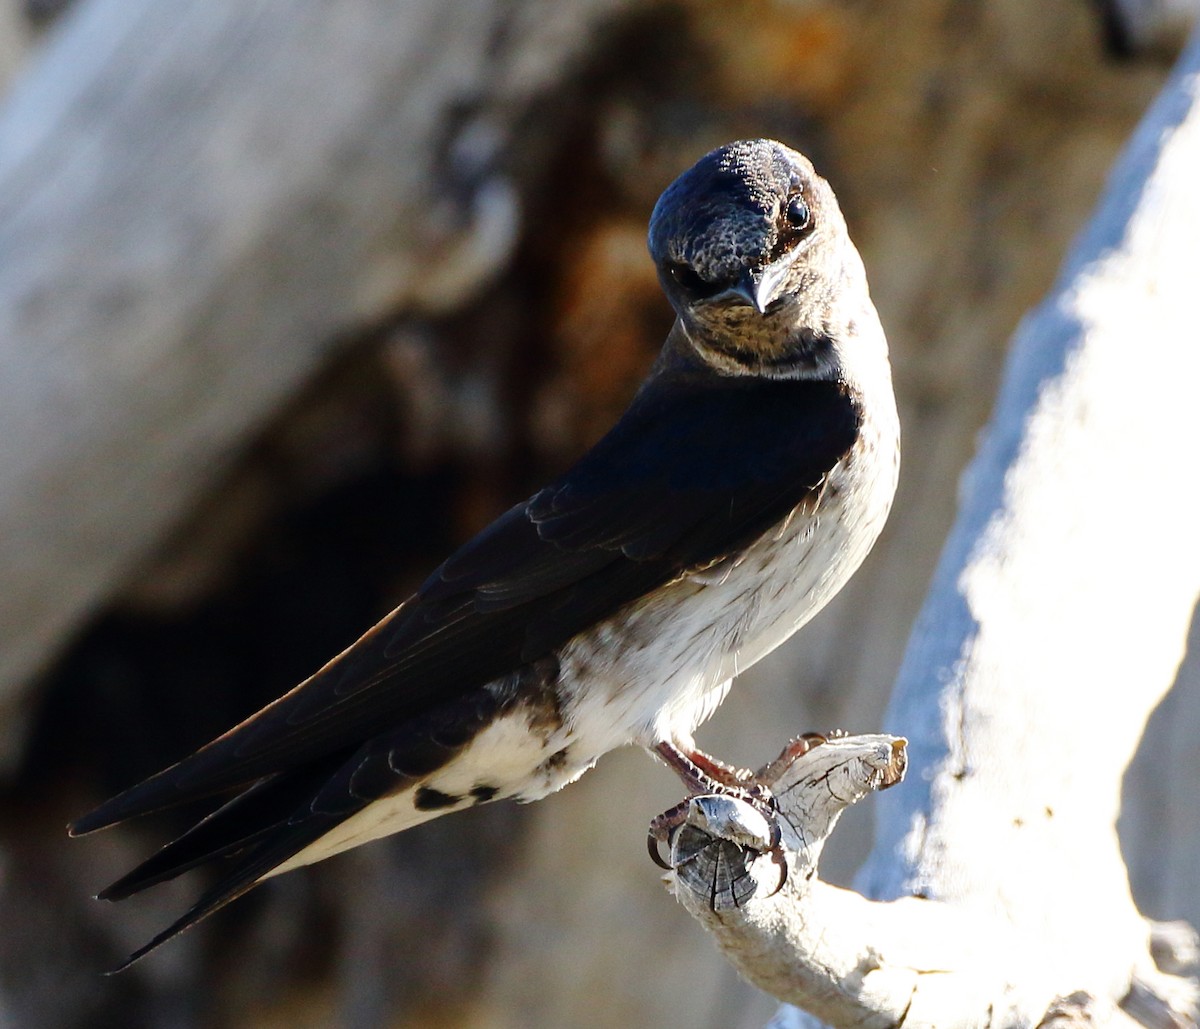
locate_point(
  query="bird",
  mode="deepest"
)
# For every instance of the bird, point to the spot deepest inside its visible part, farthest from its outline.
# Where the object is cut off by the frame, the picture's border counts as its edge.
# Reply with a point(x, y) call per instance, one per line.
point(746, 482)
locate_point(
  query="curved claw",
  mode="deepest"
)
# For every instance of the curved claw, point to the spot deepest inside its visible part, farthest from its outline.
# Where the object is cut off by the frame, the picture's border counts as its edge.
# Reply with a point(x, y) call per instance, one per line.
point(778, 856)
point(661, 828)
point(652, 843)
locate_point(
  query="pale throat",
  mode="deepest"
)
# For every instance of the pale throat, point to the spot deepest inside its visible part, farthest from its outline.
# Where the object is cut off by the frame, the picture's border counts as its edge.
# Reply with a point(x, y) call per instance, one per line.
point(789, 343)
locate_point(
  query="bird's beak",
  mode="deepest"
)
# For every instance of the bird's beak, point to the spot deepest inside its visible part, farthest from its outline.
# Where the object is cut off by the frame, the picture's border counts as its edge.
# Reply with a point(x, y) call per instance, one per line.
point(760, 288)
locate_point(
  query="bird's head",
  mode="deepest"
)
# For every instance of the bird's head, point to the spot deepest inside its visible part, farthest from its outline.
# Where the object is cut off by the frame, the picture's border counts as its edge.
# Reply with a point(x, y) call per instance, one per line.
point(752, 252)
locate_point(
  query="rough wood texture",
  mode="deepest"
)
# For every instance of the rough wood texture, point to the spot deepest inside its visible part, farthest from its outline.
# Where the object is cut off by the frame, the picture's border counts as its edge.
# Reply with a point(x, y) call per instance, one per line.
point(803, 941)
point(854, 963)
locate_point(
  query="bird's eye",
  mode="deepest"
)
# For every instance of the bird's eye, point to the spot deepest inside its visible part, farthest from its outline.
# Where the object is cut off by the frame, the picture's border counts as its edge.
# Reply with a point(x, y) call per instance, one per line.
point(692, 281)
point(797, 213)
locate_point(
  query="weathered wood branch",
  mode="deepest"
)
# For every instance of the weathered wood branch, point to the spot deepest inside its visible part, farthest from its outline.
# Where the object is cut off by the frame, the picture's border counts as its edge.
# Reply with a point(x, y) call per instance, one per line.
point(801, 941)
point(850, 961)
point(855, 962)
point(197, 199)
point(1055, 624)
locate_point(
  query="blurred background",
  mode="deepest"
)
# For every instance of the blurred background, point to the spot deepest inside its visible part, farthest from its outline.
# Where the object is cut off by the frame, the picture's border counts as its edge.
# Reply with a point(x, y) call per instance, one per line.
point(296, 296)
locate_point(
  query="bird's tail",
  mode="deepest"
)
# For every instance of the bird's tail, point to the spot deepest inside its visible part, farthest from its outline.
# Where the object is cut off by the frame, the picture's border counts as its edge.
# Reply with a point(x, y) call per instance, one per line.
point(259, 856)
point(275, 822)
point(247, 838)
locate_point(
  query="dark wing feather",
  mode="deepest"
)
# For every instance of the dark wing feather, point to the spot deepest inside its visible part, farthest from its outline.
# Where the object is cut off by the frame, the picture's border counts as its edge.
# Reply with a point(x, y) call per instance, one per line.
point(233, 828)
point(696, 470)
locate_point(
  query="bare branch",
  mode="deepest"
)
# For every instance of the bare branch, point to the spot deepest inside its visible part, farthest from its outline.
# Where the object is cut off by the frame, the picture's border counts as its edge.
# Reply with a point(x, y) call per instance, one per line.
point(851, 962)
point(800, 941)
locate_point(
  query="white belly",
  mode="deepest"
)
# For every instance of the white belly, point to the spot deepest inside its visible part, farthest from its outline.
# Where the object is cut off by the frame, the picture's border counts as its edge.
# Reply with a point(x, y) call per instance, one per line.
point(659, 668)
point(659, 671)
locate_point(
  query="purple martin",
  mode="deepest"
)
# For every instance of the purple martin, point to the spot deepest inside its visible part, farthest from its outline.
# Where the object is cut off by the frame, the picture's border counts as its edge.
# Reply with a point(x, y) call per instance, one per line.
point(748, 479)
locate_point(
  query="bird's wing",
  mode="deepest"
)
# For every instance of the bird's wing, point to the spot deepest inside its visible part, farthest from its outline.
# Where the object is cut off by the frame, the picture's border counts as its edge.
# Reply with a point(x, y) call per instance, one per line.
point(695, 471)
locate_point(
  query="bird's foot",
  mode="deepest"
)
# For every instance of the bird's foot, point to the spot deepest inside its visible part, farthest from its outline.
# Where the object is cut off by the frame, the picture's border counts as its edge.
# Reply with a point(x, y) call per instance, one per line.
point(662, 828)
point(703, 774)
point(718, 771)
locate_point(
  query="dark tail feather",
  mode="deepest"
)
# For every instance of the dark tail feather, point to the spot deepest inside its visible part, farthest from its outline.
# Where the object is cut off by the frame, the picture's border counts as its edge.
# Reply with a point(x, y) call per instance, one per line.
point(273, 848)
point(237, 825)
point(162, 790)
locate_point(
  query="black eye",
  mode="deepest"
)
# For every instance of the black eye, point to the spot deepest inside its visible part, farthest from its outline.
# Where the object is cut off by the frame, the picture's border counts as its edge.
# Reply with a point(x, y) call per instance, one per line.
point(797, 213)
point(691, 281)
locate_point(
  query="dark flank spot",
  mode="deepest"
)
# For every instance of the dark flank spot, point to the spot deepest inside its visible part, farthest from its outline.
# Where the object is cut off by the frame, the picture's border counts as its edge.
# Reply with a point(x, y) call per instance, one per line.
point(482, 794)
point(433, 800)
point(554, 762)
